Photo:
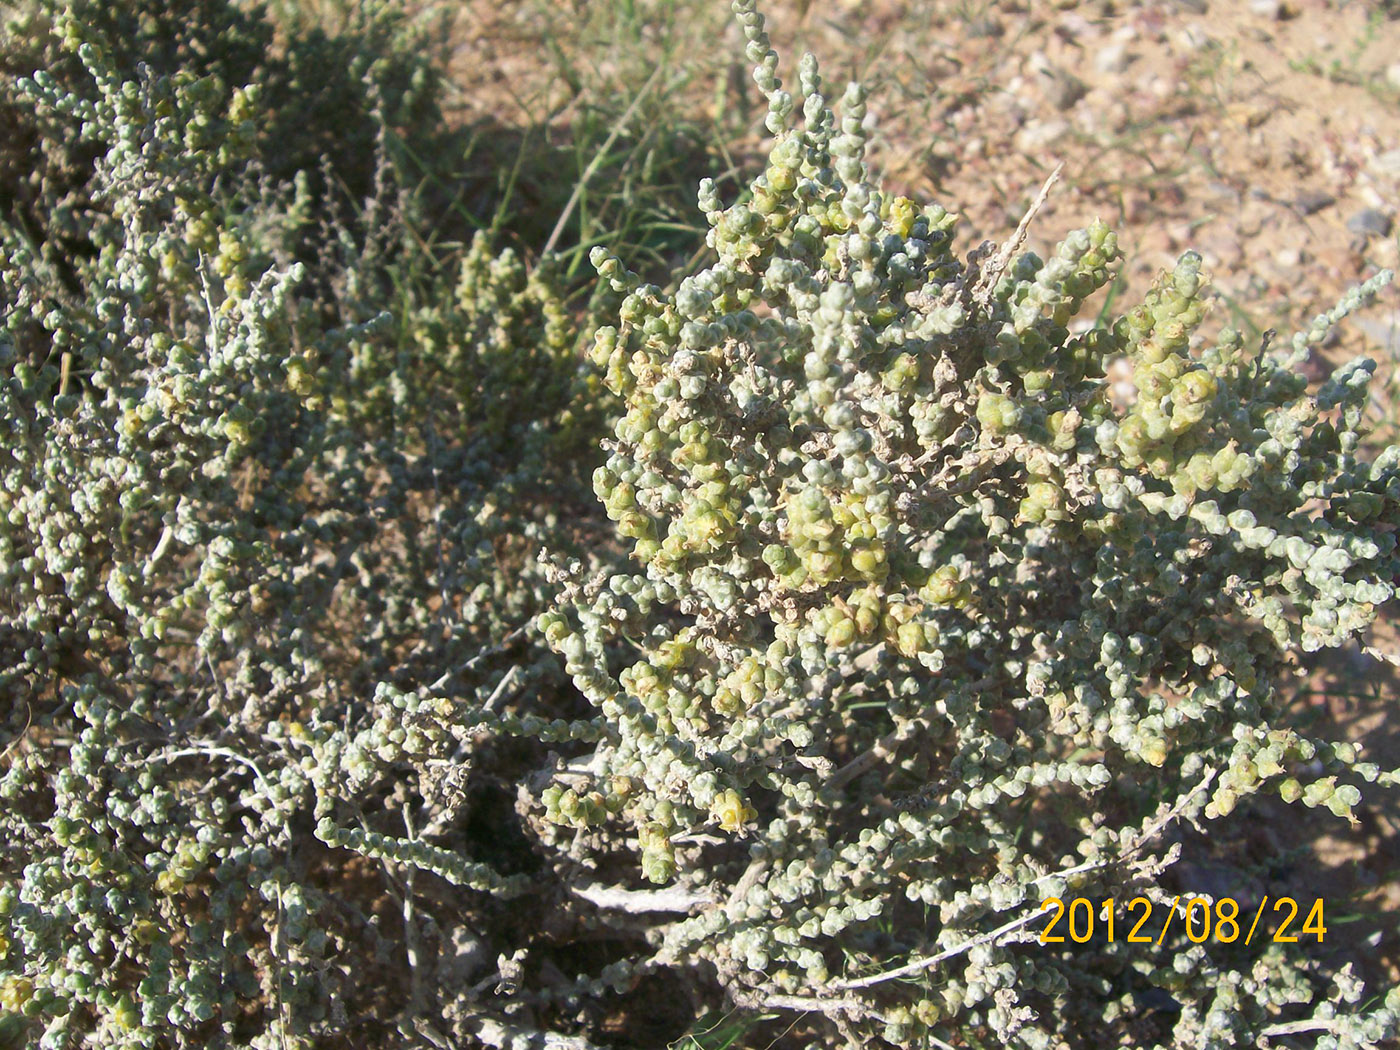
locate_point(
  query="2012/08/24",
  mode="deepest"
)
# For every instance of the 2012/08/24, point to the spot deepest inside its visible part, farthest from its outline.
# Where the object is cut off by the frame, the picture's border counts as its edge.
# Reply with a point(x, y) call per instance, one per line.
point(1222, 923)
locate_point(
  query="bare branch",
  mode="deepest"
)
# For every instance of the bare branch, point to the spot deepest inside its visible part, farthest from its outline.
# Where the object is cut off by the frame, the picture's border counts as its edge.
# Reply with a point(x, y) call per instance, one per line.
point(933, 960)
point(1313, 1024)
point(635, 902)
point(996, 266)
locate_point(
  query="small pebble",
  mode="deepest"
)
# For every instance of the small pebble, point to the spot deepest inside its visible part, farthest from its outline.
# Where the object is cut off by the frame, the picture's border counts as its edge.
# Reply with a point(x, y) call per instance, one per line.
point(1063, 89)
point(1037, 135)
point(1382, 332)
point(1387, 163)
point(1112, 59)
point(1370, 222)
point(1191, 38)
point(1197, 7)
point(1392, 75)
point(1270, 9)
point(1310, 202)
point(1074, 26)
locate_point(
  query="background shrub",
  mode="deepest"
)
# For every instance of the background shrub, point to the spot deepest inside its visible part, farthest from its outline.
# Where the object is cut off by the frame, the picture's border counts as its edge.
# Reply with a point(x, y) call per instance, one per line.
point(232, 517)
point(307, 105)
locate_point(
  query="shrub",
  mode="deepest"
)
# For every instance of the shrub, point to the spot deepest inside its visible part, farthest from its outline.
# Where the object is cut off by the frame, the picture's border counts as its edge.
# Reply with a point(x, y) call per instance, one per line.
point(921, 626)
point(306, 105)
point(236, 529)
point(909, 620)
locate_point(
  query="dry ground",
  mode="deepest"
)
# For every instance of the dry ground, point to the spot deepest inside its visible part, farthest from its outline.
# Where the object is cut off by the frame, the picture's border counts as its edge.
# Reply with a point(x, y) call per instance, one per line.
point(1265, 135)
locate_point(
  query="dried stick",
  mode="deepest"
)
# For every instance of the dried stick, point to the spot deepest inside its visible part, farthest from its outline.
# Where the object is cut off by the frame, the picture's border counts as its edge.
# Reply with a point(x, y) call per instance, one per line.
point(996, 266)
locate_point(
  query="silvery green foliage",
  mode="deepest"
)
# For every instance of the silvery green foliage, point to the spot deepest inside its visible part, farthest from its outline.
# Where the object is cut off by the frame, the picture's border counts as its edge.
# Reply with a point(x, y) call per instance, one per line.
point(231, 541)
point(923, 620)
point(321, 101)
point(921, 624)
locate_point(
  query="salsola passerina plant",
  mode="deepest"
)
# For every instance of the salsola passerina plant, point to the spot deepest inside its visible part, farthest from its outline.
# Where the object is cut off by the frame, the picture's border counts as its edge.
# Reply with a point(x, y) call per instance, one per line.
point(237, 529)
point(921, 626)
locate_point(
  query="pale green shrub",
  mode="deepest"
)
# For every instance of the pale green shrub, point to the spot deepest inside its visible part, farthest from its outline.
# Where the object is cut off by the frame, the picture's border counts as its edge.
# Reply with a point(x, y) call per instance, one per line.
point(920, 627)
point(234, 526)
point(907, 621)
point(305, 105)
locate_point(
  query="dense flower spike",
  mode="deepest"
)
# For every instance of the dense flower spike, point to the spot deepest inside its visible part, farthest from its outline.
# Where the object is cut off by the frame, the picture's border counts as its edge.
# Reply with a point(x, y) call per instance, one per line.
point(892, 539)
